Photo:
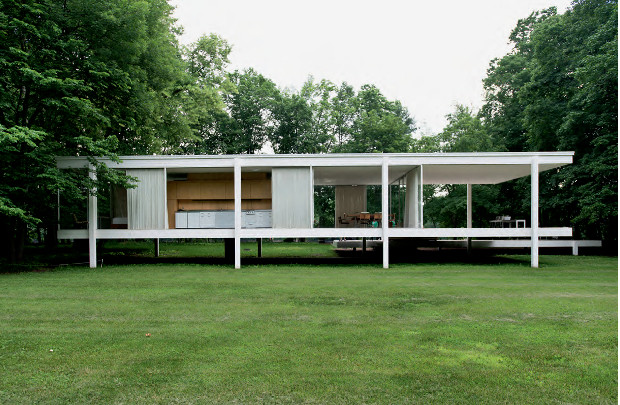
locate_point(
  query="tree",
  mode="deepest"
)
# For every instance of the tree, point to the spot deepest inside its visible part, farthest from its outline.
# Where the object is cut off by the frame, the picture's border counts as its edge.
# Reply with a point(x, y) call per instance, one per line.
point(465, 133)
point(573, 105)
point(502, 112)
point(245, 128)
point(293, 125)
point(379, 125)
point(79, 78)
point(319, 97)
point(558, 90)
point(203, 101)
point(342, 115)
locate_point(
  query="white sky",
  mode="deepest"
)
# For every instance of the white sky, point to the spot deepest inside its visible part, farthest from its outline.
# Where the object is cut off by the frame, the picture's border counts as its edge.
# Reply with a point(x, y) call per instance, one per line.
point(429, 54)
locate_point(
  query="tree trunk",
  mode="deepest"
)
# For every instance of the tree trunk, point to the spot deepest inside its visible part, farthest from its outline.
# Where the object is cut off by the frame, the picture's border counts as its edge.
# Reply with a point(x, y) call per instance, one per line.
point(21, 232)
point(51, 236)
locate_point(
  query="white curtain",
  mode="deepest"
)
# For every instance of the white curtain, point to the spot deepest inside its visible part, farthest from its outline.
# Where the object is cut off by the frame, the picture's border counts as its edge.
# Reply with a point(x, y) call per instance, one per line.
point(413, 199)
point(146, 204)
point(350, 200)
point(292, 195)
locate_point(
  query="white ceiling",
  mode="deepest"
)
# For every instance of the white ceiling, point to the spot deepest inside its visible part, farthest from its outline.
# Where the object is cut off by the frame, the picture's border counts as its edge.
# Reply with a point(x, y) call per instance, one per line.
point(347, 176)
point(433, 174)
point(476, 174)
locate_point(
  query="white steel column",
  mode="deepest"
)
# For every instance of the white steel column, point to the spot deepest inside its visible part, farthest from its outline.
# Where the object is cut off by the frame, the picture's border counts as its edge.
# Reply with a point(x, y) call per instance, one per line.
point(469, 200)
point(469, 214)
point(385, 210)
point(237, 182)
point(92, 220)
point(421, 196)
point(311, 197)
point(534, 214)
point(58, 208)
point(165, 196)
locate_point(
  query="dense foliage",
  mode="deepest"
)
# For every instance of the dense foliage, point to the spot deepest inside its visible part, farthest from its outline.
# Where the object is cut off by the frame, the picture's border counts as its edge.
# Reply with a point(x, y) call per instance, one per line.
point(556, 91)
point(86, 78)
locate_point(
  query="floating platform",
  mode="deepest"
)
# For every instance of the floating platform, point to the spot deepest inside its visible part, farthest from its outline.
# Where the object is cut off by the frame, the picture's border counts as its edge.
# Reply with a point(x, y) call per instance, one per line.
point(477, 244)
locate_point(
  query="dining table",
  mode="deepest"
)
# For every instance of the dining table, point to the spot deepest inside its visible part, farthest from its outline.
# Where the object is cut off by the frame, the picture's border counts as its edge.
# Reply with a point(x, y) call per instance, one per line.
point(357, 218)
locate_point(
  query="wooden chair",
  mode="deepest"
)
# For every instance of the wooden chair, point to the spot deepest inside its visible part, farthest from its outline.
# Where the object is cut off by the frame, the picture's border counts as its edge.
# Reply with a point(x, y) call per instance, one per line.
point(377, 216)
point(364, 219)
point(77, 221)
point(343, 220)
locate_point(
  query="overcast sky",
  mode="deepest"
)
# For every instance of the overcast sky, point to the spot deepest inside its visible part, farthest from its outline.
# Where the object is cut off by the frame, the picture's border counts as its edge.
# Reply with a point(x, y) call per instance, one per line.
point(429, 54)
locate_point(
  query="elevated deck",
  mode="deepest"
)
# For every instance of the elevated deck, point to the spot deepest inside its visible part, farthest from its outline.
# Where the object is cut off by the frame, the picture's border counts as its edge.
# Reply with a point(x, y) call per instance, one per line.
point(481, 244)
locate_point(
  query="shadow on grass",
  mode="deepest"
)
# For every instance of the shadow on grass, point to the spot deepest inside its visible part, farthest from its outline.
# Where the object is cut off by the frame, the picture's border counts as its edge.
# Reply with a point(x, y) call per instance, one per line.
point(343, 257)
point(135, 252)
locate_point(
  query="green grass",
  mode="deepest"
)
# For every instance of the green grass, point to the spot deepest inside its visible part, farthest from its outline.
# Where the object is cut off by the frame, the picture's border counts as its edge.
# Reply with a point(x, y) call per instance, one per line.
point(443, 333)
point(216, 249)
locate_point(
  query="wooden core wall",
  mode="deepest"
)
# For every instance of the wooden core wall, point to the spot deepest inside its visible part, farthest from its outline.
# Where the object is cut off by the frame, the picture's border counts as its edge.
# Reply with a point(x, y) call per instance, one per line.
point(215, 191)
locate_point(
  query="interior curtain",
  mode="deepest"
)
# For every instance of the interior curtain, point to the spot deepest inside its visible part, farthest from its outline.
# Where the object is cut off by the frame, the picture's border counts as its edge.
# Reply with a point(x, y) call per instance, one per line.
point(146, 204)
point(292, 195)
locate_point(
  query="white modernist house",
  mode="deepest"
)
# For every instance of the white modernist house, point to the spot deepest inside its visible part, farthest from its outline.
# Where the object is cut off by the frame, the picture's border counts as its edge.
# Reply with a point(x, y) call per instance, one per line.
point(272, 196)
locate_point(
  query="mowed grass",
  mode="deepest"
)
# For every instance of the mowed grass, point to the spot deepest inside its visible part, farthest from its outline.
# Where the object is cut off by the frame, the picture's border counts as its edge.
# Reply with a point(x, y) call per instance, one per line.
point(216, 249)
point(444, 333)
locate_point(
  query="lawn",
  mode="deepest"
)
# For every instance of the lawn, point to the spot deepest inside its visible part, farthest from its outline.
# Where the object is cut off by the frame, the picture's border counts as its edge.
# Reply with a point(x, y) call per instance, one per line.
point(431, 333)
point(216, 249)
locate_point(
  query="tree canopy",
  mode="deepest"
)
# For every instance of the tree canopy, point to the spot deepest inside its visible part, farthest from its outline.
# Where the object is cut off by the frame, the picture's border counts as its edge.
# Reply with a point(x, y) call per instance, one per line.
point(556, 90)
point(85, 78)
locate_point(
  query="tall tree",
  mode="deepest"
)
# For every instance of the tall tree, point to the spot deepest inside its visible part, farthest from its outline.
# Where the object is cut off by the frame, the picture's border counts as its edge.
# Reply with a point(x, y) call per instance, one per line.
point(502, 112)
point(573, 105)
point(79, 78)
point(558, 90)
point(246, 127)
point(293, 125)
point(342, 115)
point(203, 103)
point(465, 133)
point(319, 97)
point(379, 125)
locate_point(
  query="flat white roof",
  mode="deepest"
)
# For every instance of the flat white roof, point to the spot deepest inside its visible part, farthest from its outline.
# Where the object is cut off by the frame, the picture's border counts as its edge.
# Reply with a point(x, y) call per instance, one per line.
point(362, 168)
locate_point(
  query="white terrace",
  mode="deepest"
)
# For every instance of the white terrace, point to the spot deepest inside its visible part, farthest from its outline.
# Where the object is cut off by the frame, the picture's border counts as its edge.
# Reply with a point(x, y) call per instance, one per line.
point(272, 196)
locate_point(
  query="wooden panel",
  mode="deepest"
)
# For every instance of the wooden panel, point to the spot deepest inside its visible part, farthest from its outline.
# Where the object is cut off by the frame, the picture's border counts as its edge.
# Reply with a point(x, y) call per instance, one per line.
point(171, 190)
point(188, 190)
point(188, 205)
point(230, 191)
point(246, 188)
point(253, 176)
point(260, 189)
point(212, 190)
point(197, 205)
point(214, 205)
point(261, 204)
point(210, 176)
point(172, 208)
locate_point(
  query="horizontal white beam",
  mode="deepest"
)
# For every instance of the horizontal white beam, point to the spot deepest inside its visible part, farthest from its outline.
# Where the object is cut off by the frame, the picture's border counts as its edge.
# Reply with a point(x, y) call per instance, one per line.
point(164, 233)
point(361, 159)
point(72, 234)
point(476, 232)
point(312, 233)
point(316, 233)
point(525, 243)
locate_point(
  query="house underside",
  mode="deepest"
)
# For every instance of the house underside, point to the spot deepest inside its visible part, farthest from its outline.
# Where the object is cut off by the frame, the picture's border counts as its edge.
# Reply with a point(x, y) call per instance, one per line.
point(272, 196)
